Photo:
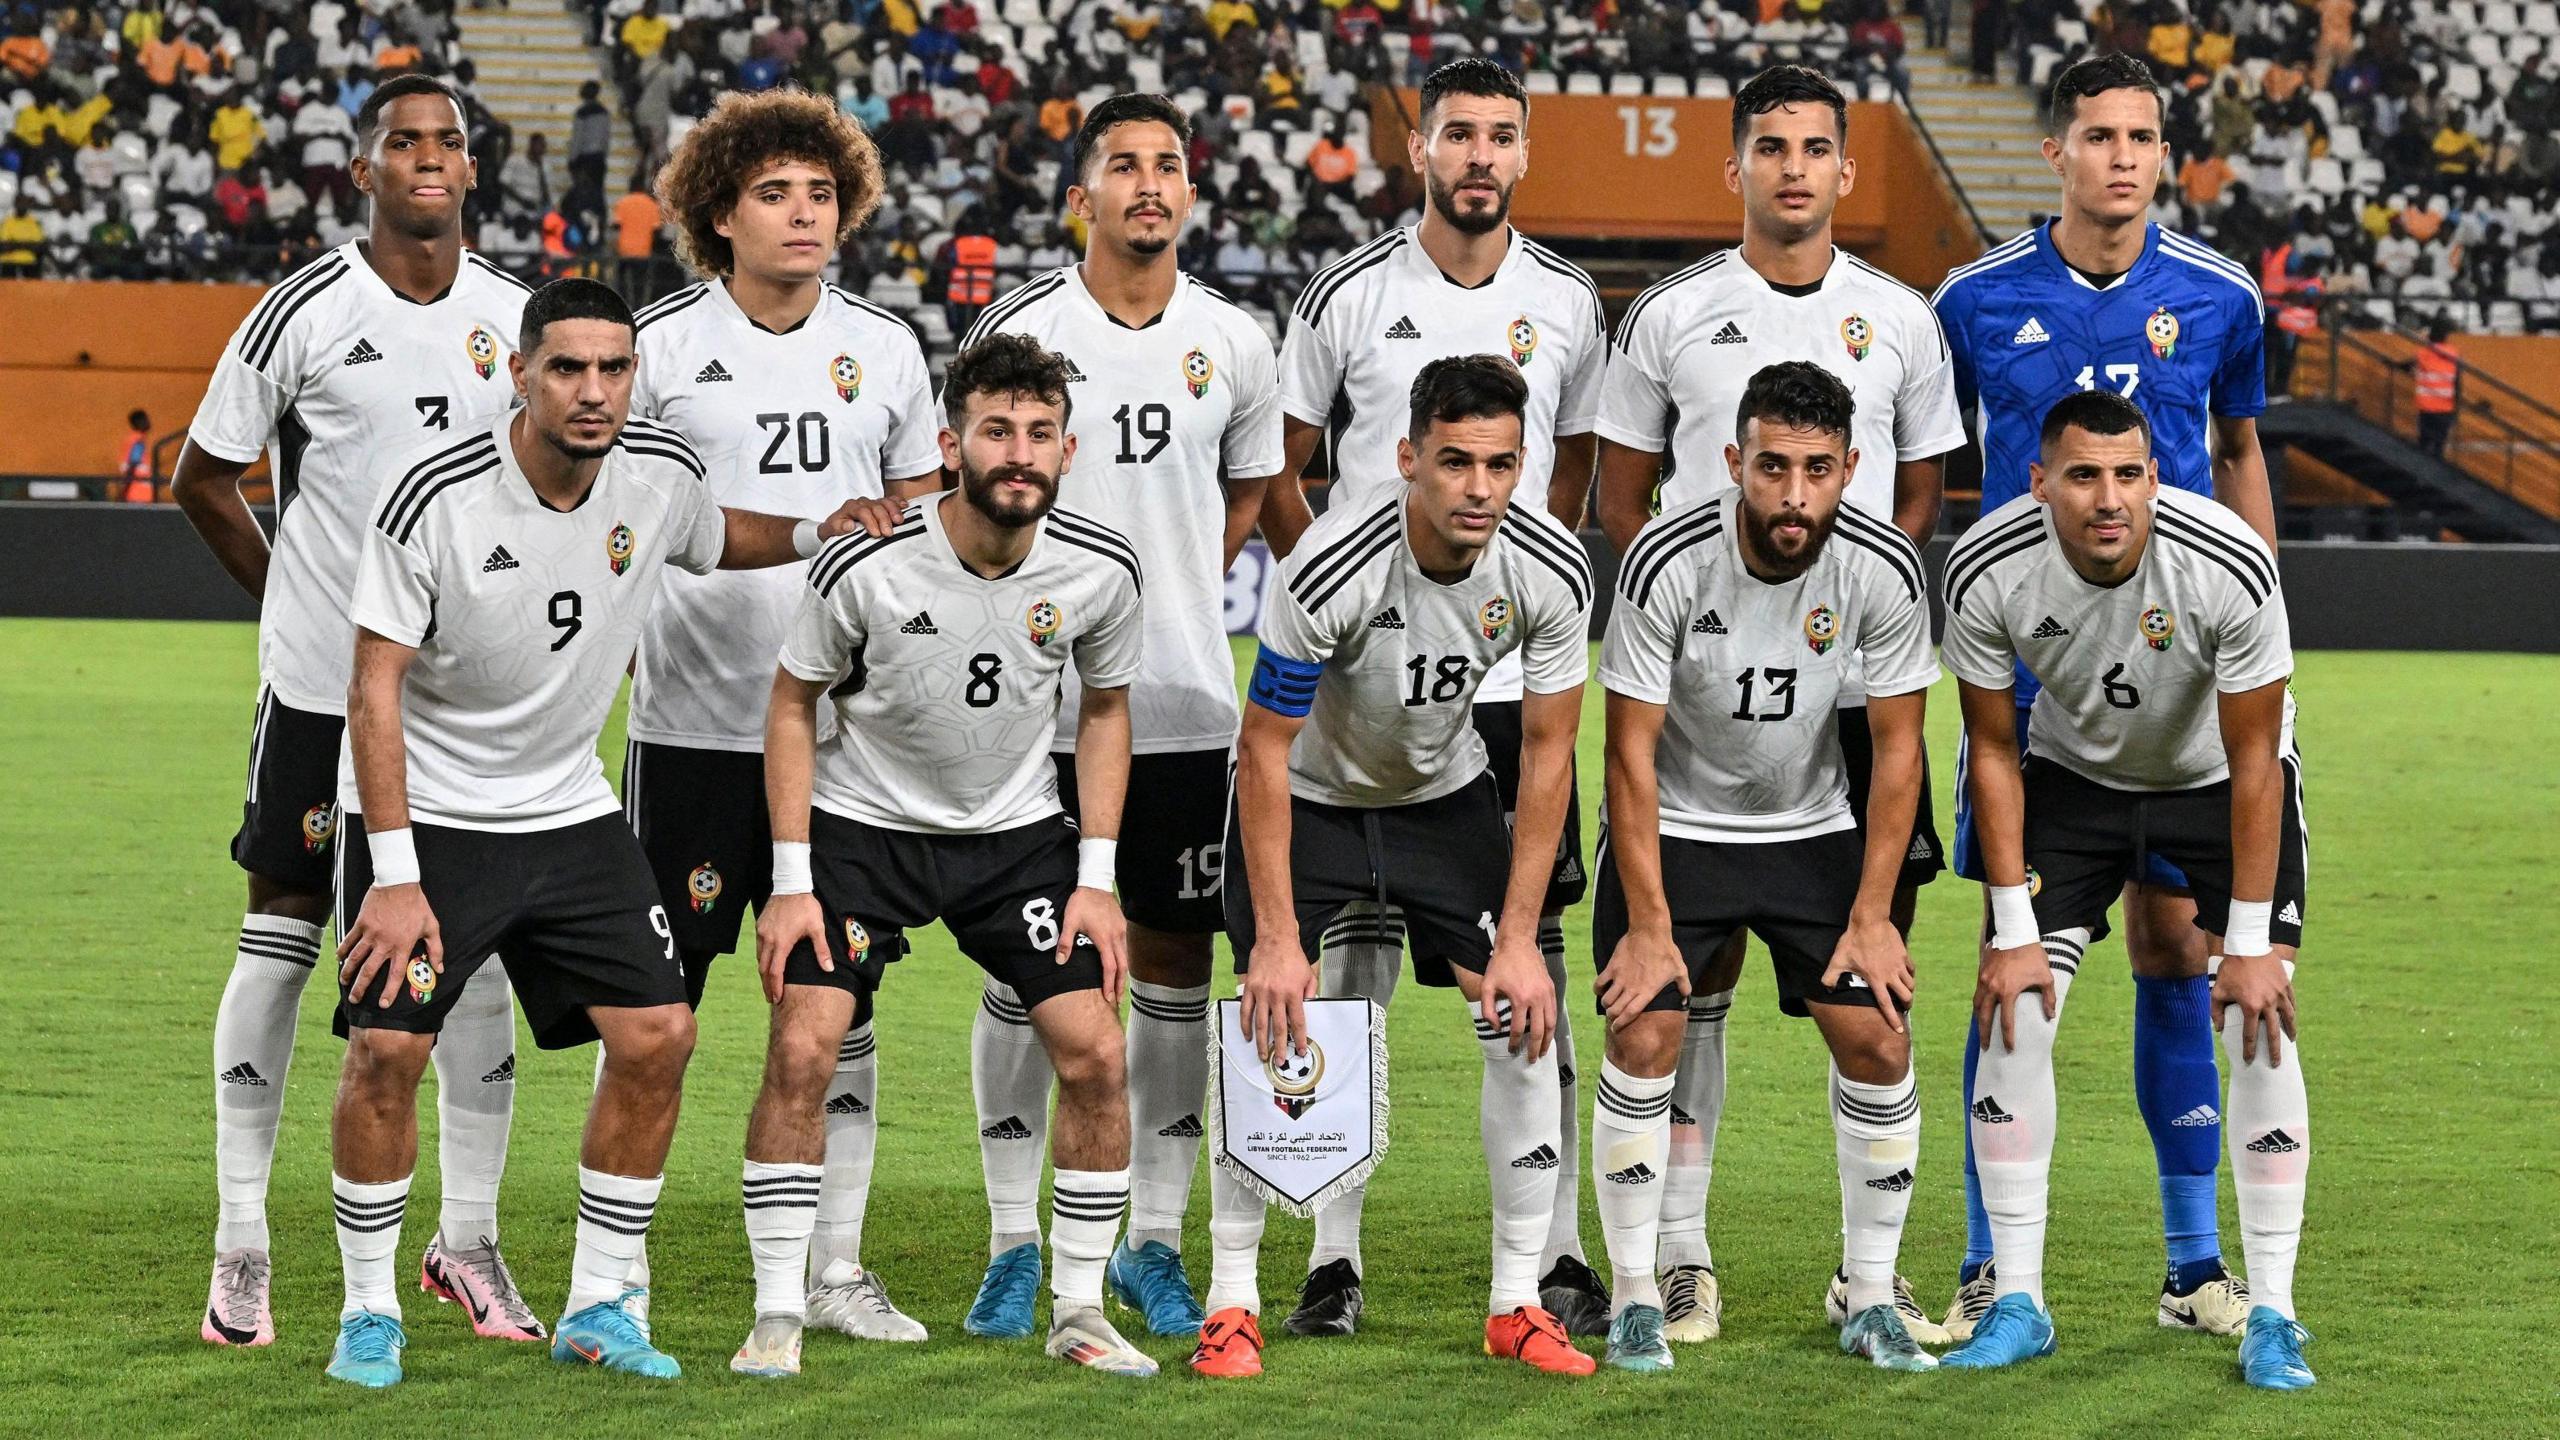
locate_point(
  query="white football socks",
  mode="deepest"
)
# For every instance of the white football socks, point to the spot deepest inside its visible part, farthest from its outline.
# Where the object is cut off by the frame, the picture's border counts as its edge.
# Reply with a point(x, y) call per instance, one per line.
point(1085, 1209)
point(369, 1243)
point(252, 1049)
point(2267, 1117)
point(1236, 1219)
point(1009, 1074)
point(1168, 1078)
point(475, 1059)
point(781, 1203)
point(1697, 1105)
point(853, 1142)
point(1363, 954)
point(614, 1212)
point(1876, 1135)
point(1564, 1227)
point(1630, 1140)
point(2013, 1121)
point(1518, 1128)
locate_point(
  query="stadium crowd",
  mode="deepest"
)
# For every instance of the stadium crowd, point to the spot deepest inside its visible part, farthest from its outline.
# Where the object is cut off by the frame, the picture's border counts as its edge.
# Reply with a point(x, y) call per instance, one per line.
point(2399, 154)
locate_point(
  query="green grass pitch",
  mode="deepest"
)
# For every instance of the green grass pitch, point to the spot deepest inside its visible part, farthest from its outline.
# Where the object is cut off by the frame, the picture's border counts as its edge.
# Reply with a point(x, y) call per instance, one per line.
point(2426, 1271)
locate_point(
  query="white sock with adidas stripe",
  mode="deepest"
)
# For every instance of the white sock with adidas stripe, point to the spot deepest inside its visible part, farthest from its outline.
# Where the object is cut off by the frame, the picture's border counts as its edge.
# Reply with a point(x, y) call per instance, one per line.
point(781, 1203)
point(853, 1143)
point(475, 1060)
point(369, 1218)
point(1009, 1075)
point(1168, 1079)
point(2267, 1119)
point(1237, 1217)
point(1362, 954)
point(1697, 1107)
point(614, 1212)
point(1518, 1127)
point(1085, 1210)
point(1875, 1132)
point(2013, 1120)
point(1630, 1145)
point(252, 1049)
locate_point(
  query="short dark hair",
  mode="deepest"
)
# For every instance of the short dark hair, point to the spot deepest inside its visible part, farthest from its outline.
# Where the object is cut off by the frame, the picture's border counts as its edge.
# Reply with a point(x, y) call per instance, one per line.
point(1466, 387)
point(2094, 76)
point(1471, 75)
point(1004, 364)
point(1135, 108)
point(1786, 85)
point(1798, 394)
point(2100, 412)
point(573, 298)
point(139, 419)
point(398, 87)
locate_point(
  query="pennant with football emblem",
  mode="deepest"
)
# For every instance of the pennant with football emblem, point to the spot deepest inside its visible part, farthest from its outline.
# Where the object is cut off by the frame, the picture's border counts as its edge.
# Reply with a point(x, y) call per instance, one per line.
point(1300, 1128)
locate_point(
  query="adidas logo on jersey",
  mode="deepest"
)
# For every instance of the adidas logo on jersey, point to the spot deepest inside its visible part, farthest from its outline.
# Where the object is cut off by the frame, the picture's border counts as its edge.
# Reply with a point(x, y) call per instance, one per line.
point(1988, 1111)
point(2291, 914)
point(505, 1074)
point(363, 354)
point(1074, 375)
point(498, 560)
point(921, 625)
point(1731, 334)
point(244, 1073)
point(2030, 333)
point(1386, 619)
point(1008, 1128)
point(713, 373)
point(1186, 1128)
point(2049, 629)
point(1542, 1158)
point(847, 1103)
point(1710, 623)
point(2198, 1118)
point(1404, 329)
point(1637, 1174)
point(2274, 1142)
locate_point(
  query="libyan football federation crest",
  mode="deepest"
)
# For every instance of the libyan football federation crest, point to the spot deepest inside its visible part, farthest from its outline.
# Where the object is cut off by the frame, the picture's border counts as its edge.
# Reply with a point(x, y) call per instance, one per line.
point(702, 887)
point(846, 372)
point(1494, 617)
point(1293, 1078)
point(1524, 340)
point(422, 980)
point(1197, 372)
point(857, 941)
point(2159, 628)
point(483, 348)
point(618, 545)
point(318, 824)
point(1858, 335)
point(1821, 629)
point(2162, 331)
point(1044, 619)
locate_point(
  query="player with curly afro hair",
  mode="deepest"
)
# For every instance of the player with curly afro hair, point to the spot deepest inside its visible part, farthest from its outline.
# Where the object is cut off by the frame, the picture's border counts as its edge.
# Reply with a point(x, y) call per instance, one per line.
point(743, 148)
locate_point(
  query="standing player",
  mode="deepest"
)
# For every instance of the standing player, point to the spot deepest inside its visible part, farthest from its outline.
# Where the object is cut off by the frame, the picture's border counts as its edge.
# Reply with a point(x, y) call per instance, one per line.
point(1359, 777)
point(379, 345)
point(944, 645)
point(2103, 299)
point(1461, 282)
point(2155, 620)
point(1686, 350)
point(503, 585)
point(1739, 620)
point(796, 395)
point(1177, 436)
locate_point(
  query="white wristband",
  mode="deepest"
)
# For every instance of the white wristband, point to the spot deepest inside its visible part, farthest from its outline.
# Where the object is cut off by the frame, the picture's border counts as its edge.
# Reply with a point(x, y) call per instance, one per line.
point(804, 539)
point(791, 867)
point(2013, 917)
point(1097, 862)
point(395, 856)
point(2245, 933)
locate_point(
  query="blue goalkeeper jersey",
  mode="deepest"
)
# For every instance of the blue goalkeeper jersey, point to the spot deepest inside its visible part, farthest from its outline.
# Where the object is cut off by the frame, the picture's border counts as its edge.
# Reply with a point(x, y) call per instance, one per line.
point(2182, 334)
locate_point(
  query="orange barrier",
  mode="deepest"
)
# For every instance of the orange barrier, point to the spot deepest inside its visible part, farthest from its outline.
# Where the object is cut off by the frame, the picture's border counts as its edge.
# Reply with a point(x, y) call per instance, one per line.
point(77, 356)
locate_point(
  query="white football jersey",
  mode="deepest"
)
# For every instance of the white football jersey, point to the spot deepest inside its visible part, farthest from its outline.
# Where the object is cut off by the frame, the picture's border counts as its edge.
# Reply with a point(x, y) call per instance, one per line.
point(1751, 672)
point(1404, 656)
point(794, 423)
point(2130, 672)
point(1369, 322)
point(523, 617)
point(1688, 346)
point(1162, 417)
point(332, 375)
point(945, 682)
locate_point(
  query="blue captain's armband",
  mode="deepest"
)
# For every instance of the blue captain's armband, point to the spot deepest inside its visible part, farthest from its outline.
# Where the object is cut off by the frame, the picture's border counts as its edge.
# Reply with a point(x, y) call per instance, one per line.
point(1281, 685)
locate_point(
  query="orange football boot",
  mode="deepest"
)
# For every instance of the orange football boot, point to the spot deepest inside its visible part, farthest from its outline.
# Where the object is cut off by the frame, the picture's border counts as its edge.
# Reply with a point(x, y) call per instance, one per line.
point(1536, 1339)
point(1230, 1345)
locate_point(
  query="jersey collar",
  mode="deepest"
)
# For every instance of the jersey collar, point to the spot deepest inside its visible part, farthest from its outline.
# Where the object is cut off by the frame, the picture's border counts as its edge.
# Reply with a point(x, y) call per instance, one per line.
point(1792, 292)
point(728, 304)
point(932, 510)
point(2053, 258)
point(1422, 263)
point(361, 263)
point(1093, 308)
point(519, 489)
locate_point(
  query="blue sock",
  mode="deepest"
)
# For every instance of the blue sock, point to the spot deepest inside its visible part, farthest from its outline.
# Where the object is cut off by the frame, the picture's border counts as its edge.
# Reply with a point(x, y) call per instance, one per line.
point(2177, 1087)
point(1977, 1221)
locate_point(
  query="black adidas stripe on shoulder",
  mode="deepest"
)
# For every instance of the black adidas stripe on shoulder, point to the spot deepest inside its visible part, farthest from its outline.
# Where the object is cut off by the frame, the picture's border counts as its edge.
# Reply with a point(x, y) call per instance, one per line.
point(839, 556)
point(411, 494)
point(1662, 287)
point(647, 437)
point(866, 306)
point(1661, 543)
point(1971, 560)
point(1322, 566)
point(483, 262)
point(1205, 288)
point(993, 319)
point(1864, 530)
point(2217, 549)
point(1571, 271)
point(2250, 552)
point(1369, 552)
point(1881, 275)
point(688, 296)
point(265, 327)
point(1329, 281)
point(1544, 539)
point(1109, 549)
point(1095, 532)
point(1981, 537)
